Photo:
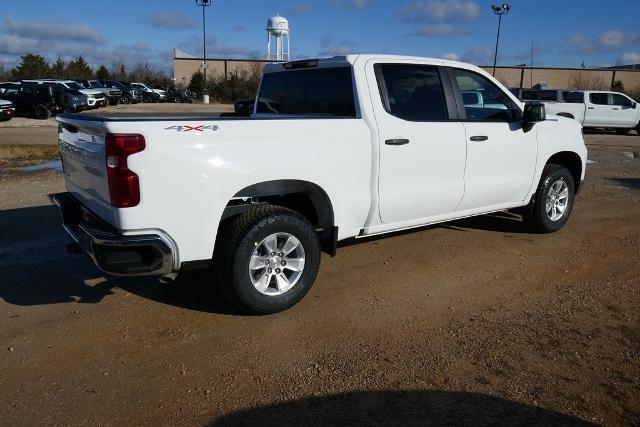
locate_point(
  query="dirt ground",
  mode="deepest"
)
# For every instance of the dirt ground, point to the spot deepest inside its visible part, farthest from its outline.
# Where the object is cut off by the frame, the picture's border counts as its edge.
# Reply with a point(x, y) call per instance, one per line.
point(475, 322)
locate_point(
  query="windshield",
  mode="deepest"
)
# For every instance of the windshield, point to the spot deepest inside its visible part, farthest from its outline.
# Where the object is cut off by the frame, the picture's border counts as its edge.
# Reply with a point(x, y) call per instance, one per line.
point(75, 85)
point(95, 84)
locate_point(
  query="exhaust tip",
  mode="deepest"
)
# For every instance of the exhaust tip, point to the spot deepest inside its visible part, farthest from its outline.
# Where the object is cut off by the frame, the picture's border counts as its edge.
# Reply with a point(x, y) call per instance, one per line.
point(167, 279)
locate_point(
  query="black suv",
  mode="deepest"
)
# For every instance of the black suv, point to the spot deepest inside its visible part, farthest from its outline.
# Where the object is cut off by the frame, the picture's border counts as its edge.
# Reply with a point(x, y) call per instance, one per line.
point(72, 100)
point(36, 101)
point(129, 94)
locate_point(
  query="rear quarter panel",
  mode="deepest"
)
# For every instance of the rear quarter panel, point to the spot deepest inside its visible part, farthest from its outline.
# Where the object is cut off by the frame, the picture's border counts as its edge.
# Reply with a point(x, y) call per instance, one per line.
point(188, 177)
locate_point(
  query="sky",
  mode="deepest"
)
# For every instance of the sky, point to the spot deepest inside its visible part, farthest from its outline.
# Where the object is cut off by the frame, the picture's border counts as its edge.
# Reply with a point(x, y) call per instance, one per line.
point(564, 33)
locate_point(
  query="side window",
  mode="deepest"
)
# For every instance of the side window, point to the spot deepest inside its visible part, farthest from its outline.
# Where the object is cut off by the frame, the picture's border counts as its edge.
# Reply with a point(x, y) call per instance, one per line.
point(315, 91)
point(574, 98)
point(529, 95)
point(620, 100)
point(483, 100)
point(28, 90)
point(412, 92)
point(599, 98)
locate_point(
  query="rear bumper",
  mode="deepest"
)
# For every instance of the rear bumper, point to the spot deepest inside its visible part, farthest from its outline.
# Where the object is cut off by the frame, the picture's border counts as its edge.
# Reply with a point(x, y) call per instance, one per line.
point(113, 252)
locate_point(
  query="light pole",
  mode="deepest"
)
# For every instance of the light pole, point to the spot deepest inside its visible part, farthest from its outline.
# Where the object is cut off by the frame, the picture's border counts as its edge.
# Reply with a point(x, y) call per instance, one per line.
point(499, 10)
point(204, 4)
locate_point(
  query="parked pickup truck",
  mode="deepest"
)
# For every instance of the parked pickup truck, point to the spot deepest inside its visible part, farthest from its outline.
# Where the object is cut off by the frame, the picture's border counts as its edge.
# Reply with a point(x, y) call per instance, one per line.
point(598, 109)
point(336, 149)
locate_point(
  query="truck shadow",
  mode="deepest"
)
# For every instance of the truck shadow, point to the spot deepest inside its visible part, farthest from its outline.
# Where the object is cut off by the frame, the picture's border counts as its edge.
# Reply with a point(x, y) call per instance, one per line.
point(399, 408)
point(36, 269)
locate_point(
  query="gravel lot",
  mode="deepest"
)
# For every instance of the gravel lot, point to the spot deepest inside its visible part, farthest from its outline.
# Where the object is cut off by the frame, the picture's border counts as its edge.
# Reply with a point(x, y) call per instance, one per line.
point(474, 322)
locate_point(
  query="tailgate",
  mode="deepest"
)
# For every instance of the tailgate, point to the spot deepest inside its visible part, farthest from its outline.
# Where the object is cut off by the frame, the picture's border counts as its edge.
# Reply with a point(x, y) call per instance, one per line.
point(82, 149)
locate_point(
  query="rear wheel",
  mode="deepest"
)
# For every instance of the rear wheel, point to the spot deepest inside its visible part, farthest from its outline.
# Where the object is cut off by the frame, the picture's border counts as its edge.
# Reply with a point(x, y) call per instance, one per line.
point(125, 99)
point(553, 200)
point(42, 112)
point(267, 259)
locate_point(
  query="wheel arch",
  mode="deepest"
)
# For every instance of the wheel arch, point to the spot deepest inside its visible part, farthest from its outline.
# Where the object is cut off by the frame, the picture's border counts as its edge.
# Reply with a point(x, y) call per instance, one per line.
point(572, 161)
point(308, 199)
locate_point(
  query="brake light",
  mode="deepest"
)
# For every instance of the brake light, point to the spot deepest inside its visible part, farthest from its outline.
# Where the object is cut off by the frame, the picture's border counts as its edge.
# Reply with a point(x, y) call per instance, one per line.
point(124, 186)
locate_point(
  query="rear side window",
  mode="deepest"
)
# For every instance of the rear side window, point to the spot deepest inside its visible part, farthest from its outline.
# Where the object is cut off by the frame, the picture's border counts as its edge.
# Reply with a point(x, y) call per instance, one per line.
point(317, 91)
point(574, 98)
point(412, 92)
point(529, 95)
point(548, 95)
point(598, 98)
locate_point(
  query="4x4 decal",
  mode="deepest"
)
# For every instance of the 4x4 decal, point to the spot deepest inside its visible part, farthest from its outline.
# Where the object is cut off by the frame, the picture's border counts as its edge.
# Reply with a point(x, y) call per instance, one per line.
point(187, 128)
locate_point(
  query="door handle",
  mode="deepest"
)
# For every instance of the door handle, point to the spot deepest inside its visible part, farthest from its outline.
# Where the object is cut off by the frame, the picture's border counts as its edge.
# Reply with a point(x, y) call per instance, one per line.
point(479, 138)
point(399, 141)
point(591, 108)
point(616, 109)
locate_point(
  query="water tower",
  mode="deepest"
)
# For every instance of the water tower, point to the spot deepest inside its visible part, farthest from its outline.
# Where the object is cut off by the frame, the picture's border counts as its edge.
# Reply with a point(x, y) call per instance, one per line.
point(278, 27)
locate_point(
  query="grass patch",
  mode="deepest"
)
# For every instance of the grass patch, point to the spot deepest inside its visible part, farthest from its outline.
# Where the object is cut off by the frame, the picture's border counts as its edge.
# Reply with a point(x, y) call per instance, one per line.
point(19, 155)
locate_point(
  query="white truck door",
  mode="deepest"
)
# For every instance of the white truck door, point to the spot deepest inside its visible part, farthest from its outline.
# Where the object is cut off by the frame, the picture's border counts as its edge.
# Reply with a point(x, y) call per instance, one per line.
point(598, 111)
point(624, 111)
point(422, 153)
point(501, 155)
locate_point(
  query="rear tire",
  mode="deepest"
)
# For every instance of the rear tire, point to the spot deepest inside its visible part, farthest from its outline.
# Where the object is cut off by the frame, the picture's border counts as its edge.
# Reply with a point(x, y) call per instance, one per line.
point(553, 200)
point(248, 241)
point(42, 112)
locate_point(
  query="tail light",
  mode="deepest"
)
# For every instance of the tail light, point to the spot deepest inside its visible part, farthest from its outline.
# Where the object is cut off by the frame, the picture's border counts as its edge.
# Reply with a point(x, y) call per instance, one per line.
point(124, 186)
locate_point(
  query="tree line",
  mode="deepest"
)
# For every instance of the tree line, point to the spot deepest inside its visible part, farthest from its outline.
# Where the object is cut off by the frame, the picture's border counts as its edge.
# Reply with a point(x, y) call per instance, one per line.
point(33, 66)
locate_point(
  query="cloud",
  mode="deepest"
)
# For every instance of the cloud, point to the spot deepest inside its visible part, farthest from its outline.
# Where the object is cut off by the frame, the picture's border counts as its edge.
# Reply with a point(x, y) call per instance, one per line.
point(450, 56)
point(216, 48)
point(59, 31)
point(438, 18)
point(629, 59)
point(478, 56)
point(440, 11)
point(354, 4)
point(332, 47)
point(299, 9)
point(610, 41)
point(439, 30)
point(172, 21)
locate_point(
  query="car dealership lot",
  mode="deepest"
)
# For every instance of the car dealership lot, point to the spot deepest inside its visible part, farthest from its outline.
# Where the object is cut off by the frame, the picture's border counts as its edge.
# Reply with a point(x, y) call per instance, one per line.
point(476, 314)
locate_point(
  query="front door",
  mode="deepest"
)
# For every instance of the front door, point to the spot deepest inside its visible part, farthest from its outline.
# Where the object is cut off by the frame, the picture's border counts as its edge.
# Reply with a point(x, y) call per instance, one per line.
point(598, 111)
point(422, 151)
point(501, 155)
point(624, 111)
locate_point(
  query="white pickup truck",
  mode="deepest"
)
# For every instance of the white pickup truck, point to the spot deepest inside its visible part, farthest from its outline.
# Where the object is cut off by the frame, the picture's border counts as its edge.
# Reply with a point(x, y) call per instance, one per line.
point(336, 149)
point(599, 109)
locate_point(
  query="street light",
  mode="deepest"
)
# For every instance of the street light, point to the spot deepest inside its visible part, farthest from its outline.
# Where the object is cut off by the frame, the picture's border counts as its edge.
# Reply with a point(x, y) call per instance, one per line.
point(203, 4)
point(499, 10)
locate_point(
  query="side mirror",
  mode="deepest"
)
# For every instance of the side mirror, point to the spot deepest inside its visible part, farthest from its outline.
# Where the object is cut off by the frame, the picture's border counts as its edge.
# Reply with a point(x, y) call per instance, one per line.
point(633, 105)
point(534, 112)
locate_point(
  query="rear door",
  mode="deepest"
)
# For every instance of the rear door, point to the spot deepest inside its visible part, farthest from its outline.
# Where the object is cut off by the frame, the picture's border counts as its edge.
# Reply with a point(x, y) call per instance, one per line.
point(624, 111)
point(501, 155)
point(422, 146)
point(598, 111)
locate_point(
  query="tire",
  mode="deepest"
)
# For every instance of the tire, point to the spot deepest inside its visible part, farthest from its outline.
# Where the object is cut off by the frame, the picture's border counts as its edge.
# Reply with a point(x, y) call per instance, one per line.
point(246, 239)
point(554, 178)
point(42, 112)
point(125, 99)
point(116, 102)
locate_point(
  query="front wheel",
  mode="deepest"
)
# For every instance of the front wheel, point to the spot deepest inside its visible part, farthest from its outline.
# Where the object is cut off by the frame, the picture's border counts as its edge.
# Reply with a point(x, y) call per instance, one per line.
point(42, 112)
point(267, 259)
point(553, 201)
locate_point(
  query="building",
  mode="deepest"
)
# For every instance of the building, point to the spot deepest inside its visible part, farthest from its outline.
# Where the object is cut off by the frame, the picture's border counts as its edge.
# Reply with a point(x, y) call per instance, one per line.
point(184, 66)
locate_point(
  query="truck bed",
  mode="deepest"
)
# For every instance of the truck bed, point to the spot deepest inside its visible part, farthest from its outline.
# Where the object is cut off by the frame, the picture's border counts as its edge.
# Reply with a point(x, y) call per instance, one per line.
point(140, 116)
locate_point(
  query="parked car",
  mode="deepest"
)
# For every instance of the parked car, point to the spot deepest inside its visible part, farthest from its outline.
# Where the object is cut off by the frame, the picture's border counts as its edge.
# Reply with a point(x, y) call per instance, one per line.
point(113, 95)
point(72, 100)
point(95, 98)
point(129, 94)
point(6, 110)
point(338, 148)
point(149, 94)
point(599, 109)
point(244, 106)
point(36, 101)
point(181, 96)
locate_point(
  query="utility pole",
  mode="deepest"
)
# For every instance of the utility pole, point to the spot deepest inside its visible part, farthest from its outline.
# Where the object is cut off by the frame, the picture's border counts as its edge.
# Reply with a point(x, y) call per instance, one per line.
point(499, 10)
point(204, 4)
